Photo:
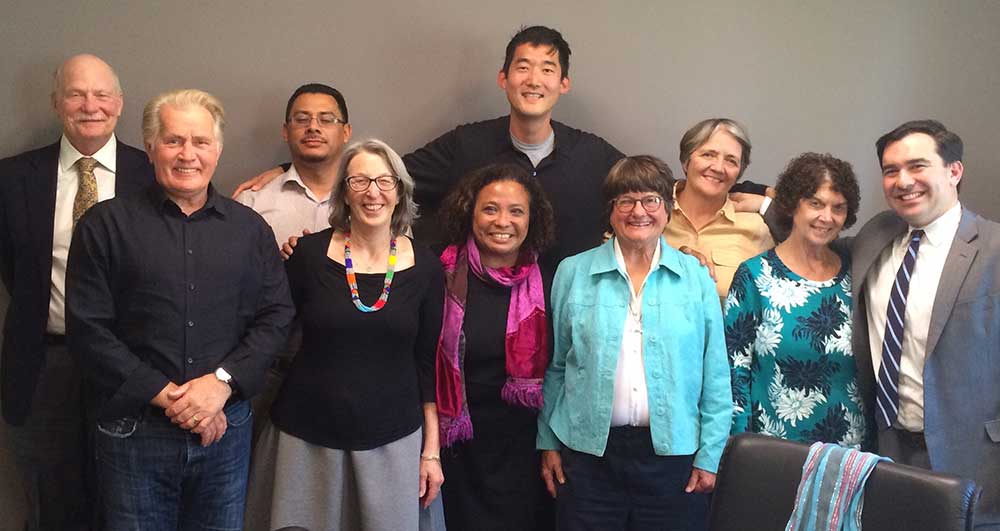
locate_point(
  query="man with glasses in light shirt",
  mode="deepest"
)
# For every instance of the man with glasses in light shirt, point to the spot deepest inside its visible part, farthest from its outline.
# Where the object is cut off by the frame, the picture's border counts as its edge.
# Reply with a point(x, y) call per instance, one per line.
point(316, 130)
point(298, 201)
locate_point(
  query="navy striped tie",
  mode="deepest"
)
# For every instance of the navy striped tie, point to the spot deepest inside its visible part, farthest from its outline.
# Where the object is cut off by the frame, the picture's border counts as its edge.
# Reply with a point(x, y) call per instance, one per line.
point(887, 394)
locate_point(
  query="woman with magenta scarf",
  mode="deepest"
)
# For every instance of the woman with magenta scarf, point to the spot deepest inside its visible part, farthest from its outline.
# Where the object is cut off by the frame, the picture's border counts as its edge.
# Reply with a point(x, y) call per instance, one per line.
point(493, 350)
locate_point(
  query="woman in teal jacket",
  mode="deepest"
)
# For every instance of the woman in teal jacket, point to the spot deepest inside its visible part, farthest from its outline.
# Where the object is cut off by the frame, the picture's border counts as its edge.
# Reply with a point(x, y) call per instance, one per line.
point(637, 396)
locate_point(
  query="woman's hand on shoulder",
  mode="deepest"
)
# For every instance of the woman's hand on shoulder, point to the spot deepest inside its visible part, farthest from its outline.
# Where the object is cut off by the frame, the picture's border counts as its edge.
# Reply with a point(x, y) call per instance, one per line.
point(702, 259)
point(288, 248)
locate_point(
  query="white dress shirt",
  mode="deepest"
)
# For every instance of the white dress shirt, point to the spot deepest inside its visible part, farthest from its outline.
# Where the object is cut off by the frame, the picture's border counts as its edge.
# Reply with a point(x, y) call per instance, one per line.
point(934, 248)
point(630, 406)
point(67, 182)
point(289, 206)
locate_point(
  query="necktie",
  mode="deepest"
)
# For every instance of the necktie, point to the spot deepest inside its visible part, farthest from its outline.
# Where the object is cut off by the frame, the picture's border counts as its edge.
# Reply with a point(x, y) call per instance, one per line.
point(887, 394)
point(86, 192)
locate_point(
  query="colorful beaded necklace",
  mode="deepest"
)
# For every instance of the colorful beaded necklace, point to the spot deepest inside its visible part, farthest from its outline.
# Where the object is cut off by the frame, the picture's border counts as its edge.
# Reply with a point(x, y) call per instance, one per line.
point(352, 279)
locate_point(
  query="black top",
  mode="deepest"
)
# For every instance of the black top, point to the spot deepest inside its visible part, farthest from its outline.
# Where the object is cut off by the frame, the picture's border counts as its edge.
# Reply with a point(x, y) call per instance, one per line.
point(494, 421)
point(154, 296)
point(571, 177)
point(360, 378)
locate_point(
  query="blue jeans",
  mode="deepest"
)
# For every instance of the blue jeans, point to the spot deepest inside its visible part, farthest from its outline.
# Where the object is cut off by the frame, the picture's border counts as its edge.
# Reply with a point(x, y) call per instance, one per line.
point(155, 476)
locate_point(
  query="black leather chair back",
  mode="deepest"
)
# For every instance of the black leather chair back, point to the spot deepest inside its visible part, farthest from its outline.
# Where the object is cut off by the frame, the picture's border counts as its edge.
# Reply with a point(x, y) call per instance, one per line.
point(759, 476)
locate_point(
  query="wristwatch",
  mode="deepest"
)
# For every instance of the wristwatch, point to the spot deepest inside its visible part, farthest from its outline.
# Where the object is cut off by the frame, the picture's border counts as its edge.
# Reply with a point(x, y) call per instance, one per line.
point(224, 376)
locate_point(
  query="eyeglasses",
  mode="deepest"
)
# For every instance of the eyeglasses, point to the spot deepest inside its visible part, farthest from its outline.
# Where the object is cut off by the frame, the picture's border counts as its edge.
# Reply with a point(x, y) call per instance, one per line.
point(626, 204)
point(360, 183)
point(326, 119)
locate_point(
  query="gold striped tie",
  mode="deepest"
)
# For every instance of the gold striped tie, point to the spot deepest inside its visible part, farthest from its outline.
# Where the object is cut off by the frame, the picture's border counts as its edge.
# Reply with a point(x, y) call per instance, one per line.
point(86, 192)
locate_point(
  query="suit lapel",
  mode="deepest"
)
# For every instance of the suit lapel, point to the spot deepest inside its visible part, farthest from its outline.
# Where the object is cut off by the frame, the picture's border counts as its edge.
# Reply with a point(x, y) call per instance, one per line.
point(126, 166)
point(956, 267)
point(867, 248)
point(40, 201)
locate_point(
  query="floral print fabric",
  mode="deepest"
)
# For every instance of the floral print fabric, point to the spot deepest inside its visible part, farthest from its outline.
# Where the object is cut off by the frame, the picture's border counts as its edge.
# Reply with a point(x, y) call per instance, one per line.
point(789, 345)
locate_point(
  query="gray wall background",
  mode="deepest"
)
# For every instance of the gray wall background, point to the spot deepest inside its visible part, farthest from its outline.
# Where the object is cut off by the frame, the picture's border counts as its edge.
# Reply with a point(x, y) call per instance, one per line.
point(803, 76)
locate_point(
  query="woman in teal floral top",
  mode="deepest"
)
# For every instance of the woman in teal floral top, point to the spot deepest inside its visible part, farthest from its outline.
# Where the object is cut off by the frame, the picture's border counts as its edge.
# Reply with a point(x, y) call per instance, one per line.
point(788, 316)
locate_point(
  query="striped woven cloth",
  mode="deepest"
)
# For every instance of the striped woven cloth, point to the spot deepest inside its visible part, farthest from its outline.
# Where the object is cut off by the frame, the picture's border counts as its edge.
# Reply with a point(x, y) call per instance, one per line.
point(831, 493)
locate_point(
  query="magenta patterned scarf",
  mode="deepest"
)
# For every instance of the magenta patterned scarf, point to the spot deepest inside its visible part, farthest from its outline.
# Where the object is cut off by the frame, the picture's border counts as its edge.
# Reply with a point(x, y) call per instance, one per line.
point(526, 341)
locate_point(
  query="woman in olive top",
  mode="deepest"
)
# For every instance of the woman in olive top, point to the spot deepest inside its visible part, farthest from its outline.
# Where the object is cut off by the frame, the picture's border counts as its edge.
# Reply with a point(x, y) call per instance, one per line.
point(714, 155)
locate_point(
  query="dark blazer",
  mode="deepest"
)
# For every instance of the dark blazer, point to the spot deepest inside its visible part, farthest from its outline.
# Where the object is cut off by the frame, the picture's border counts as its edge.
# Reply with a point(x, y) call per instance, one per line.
point(27, 210)
point(962, 367)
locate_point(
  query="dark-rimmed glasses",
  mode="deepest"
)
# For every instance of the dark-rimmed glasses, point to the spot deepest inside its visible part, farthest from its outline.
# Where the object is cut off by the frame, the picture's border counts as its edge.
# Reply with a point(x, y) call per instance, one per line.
point(360, 183)
point(325, 119)
point(651, 203)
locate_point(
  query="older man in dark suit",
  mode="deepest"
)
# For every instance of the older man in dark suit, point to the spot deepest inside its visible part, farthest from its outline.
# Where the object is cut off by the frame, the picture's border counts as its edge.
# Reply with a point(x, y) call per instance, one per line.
point(926, 281)
point(42, 194)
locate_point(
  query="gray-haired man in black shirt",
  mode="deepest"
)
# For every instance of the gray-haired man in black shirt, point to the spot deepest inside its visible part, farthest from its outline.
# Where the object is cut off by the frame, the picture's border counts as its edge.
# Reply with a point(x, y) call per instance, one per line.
point(177, 300)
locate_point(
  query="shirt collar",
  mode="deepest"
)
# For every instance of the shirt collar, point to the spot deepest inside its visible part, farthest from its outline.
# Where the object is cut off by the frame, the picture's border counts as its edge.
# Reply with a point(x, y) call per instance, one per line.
point(506, 144)
point(292, 176)
point(620, 258)
point(106, 156)
point(942, 229)
point(727, 211)
point(551, 138)
point(608, 254)
point(215, 203)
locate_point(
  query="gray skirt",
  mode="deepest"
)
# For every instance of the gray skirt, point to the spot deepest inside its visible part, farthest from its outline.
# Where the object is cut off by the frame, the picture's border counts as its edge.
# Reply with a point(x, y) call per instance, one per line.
point(295, 483)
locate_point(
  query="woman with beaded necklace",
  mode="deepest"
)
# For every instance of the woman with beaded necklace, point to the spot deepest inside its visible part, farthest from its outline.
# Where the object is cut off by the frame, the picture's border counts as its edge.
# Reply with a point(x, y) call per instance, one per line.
point(355, 419)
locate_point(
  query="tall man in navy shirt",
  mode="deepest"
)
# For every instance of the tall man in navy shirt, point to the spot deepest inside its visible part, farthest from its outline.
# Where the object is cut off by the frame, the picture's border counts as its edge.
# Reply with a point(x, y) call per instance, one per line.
point(177, 301)
point(42, 193)
point(570, 164)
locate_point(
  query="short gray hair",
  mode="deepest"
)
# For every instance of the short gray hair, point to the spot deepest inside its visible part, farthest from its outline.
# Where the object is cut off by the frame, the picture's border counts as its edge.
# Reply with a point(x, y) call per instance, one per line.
point(703, 130)
point(405, 212)
point(181, 99)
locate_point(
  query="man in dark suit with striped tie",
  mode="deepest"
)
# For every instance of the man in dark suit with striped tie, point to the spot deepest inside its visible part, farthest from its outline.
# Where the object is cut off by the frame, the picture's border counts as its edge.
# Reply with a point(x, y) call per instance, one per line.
point(42, 194)
point(926, 286)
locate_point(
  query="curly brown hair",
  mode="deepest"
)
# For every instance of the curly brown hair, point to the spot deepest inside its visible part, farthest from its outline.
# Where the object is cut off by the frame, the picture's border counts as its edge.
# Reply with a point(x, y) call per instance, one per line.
point(802, 178)
point(459, 206)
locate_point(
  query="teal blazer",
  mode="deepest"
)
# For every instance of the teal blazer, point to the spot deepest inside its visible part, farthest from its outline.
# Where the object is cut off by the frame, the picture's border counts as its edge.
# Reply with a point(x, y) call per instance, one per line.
point(684, 354)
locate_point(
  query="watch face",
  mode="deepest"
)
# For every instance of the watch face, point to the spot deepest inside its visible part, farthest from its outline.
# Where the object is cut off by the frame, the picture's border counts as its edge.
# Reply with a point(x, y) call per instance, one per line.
point(222, 375)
